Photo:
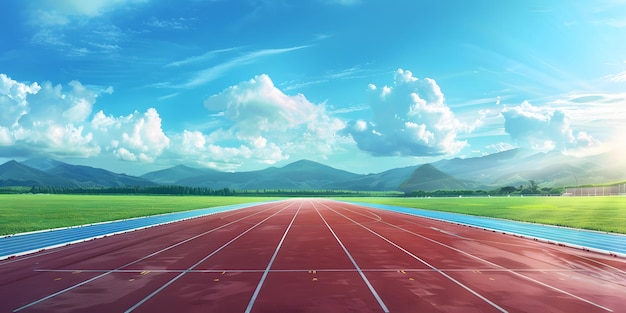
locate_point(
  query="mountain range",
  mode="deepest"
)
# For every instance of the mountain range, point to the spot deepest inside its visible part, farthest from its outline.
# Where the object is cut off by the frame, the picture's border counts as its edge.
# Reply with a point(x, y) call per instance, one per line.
point(52, 173)
point(509, 168)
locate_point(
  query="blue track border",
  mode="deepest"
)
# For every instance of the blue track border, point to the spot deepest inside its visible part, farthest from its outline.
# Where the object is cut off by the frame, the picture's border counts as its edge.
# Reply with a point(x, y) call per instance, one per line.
point(588, 240)
point(25, 243)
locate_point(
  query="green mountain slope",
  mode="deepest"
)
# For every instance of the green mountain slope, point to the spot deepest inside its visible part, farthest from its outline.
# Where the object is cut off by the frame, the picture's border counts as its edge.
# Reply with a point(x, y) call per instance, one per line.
point(429, 178)
point(13, 173)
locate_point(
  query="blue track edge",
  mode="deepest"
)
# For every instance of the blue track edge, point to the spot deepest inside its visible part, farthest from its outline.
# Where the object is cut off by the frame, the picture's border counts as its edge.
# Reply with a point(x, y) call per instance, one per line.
point(588, 240)
point(25, 243)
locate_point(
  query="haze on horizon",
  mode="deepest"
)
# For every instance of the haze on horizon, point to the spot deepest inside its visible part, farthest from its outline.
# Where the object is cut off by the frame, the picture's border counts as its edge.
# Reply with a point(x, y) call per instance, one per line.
point(364, 86)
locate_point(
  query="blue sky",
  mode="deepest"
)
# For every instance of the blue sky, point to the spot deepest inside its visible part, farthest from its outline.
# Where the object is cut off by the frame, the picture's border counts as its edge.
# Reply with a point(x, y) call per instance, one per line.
point(361, 85)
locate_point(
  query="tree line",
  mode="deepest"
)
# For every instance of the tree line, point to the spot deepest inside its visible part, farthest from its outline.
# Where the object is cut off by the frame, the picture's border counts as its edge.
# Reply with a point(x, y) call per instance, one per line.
point(532, 189)
point(190, 191)
point(153, 190)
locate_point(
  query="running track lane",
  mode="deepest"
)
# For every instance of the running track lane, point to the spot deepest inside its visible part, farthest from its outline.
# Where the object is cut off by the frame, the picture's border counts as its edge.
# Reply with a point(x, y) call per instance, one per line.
point(312, 256)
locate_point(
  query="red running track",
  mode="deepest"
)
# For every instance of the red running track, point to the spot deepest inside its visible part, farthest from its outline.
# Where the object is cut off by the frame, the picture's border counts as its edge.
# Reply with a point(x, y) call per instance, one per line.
point(312, 255)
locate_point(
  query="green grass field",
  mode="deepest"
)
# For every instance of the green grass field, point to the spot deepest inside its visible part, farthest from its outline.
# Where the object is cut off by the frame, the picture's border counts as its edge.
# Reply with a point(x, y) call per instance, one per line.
point(595, 213)
point(28, 212)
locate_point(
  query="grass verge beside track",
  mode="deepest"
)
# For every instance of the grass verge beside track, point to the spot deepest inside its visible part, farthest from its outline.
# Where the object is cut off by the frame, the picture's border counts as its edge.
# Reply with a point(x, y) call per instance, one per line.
point(27, 212)
point(606, 214)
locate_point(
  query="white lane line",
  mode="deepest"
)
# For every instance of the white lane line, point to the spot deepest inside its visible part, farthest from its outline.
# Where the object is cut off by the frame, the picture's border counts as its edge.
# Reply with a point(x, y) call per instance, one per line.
point(202, 260)
point(493, 242)
point(134, 262)
point(365, 270)
point(40, 253)
point(422, 261)
point(494, 264)
point(367, 282)
point(447, 232)
point(269, 265)
point(620, 271)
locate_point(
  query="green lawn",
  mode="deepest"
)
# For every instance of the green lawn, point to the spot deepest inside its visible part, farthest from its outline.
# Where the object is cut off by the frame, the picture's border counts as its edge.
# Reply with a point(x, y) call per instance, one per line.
point(28, 212)
point(594, 213)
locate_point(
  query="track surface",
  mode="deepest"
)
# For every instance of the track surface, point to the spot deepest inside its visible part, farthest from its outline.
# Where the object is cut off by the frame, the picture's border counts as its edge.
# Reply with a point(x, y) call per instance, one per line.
point(25, 243)
point(312, 255)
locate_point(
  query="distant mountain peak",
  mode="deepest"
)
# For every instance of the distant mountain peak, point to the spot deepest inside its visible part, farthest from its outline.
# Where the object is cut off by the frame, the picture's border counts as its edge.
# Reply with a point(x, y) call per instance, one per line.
point(14, 173)
point(304, 163)
point(174, 174)
point(42, 163)
point(429, 172)
point(10, 163)
point(182, 166)
point(428, 178)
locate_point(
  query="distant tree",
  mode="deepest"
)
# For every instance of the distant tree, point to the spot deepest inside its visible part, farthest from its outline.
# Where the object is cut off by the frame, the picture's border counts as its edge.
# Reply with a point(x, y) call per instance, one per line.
point(533, 187)
point(506, 190)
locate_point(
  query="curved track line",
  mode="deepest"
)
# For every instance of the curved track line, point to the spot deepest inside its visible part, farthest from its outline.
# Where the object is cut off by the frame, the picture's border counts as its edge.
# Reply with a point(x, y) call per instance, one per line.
point(421, 261)
point(554, 248)
point(491, 263)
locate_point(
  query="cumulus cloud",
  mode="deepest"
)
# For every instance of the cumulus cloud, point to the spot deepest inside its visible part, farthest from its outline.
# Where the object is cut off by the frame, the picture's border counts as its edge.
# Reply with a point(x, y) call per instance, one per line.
point(257, 106)
point(58, 139)
point(410, 118)
point(6, 139)
point(45, 119)
point(205, 150)
point(265, 125)
point(13, 102)
point(57, 120)
point(135, 137)
point(543, 128)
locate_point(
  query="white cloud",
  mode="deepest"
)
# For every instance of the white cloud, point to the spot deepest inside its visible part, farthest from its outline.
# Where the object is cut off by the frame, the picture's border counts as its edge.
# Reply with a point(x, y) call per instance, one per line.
point(616, 78)
point(58, 121)
point(124, 154)
point(52, 102)
point(259, 142)
point(49, 37)
point(410, 118)
point(265, 126)
point(57, 139)
point(135, 137)
point(59, 12)
point(174, 23)
point(212, 73)
point(542, 128)
point(6, 139)
point(500, 146)
point(200, 149)
point(257, 106)
point(73, 27)
point(199, 58)
point(13, 102)
point(45, 118)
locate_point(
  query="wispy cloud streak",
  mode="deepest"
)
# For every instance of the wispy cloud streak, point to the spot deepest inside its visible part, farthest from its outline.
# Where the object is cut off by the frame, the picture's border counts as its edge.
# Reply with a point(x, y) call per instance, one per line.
point(199, 58)
point(217, 71)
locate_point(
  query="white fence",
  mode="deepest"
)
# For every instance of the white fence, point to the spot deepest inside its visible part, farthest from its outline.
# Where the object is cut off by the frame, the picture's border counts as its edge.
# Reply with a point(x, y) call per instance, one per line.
point(615, 190)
